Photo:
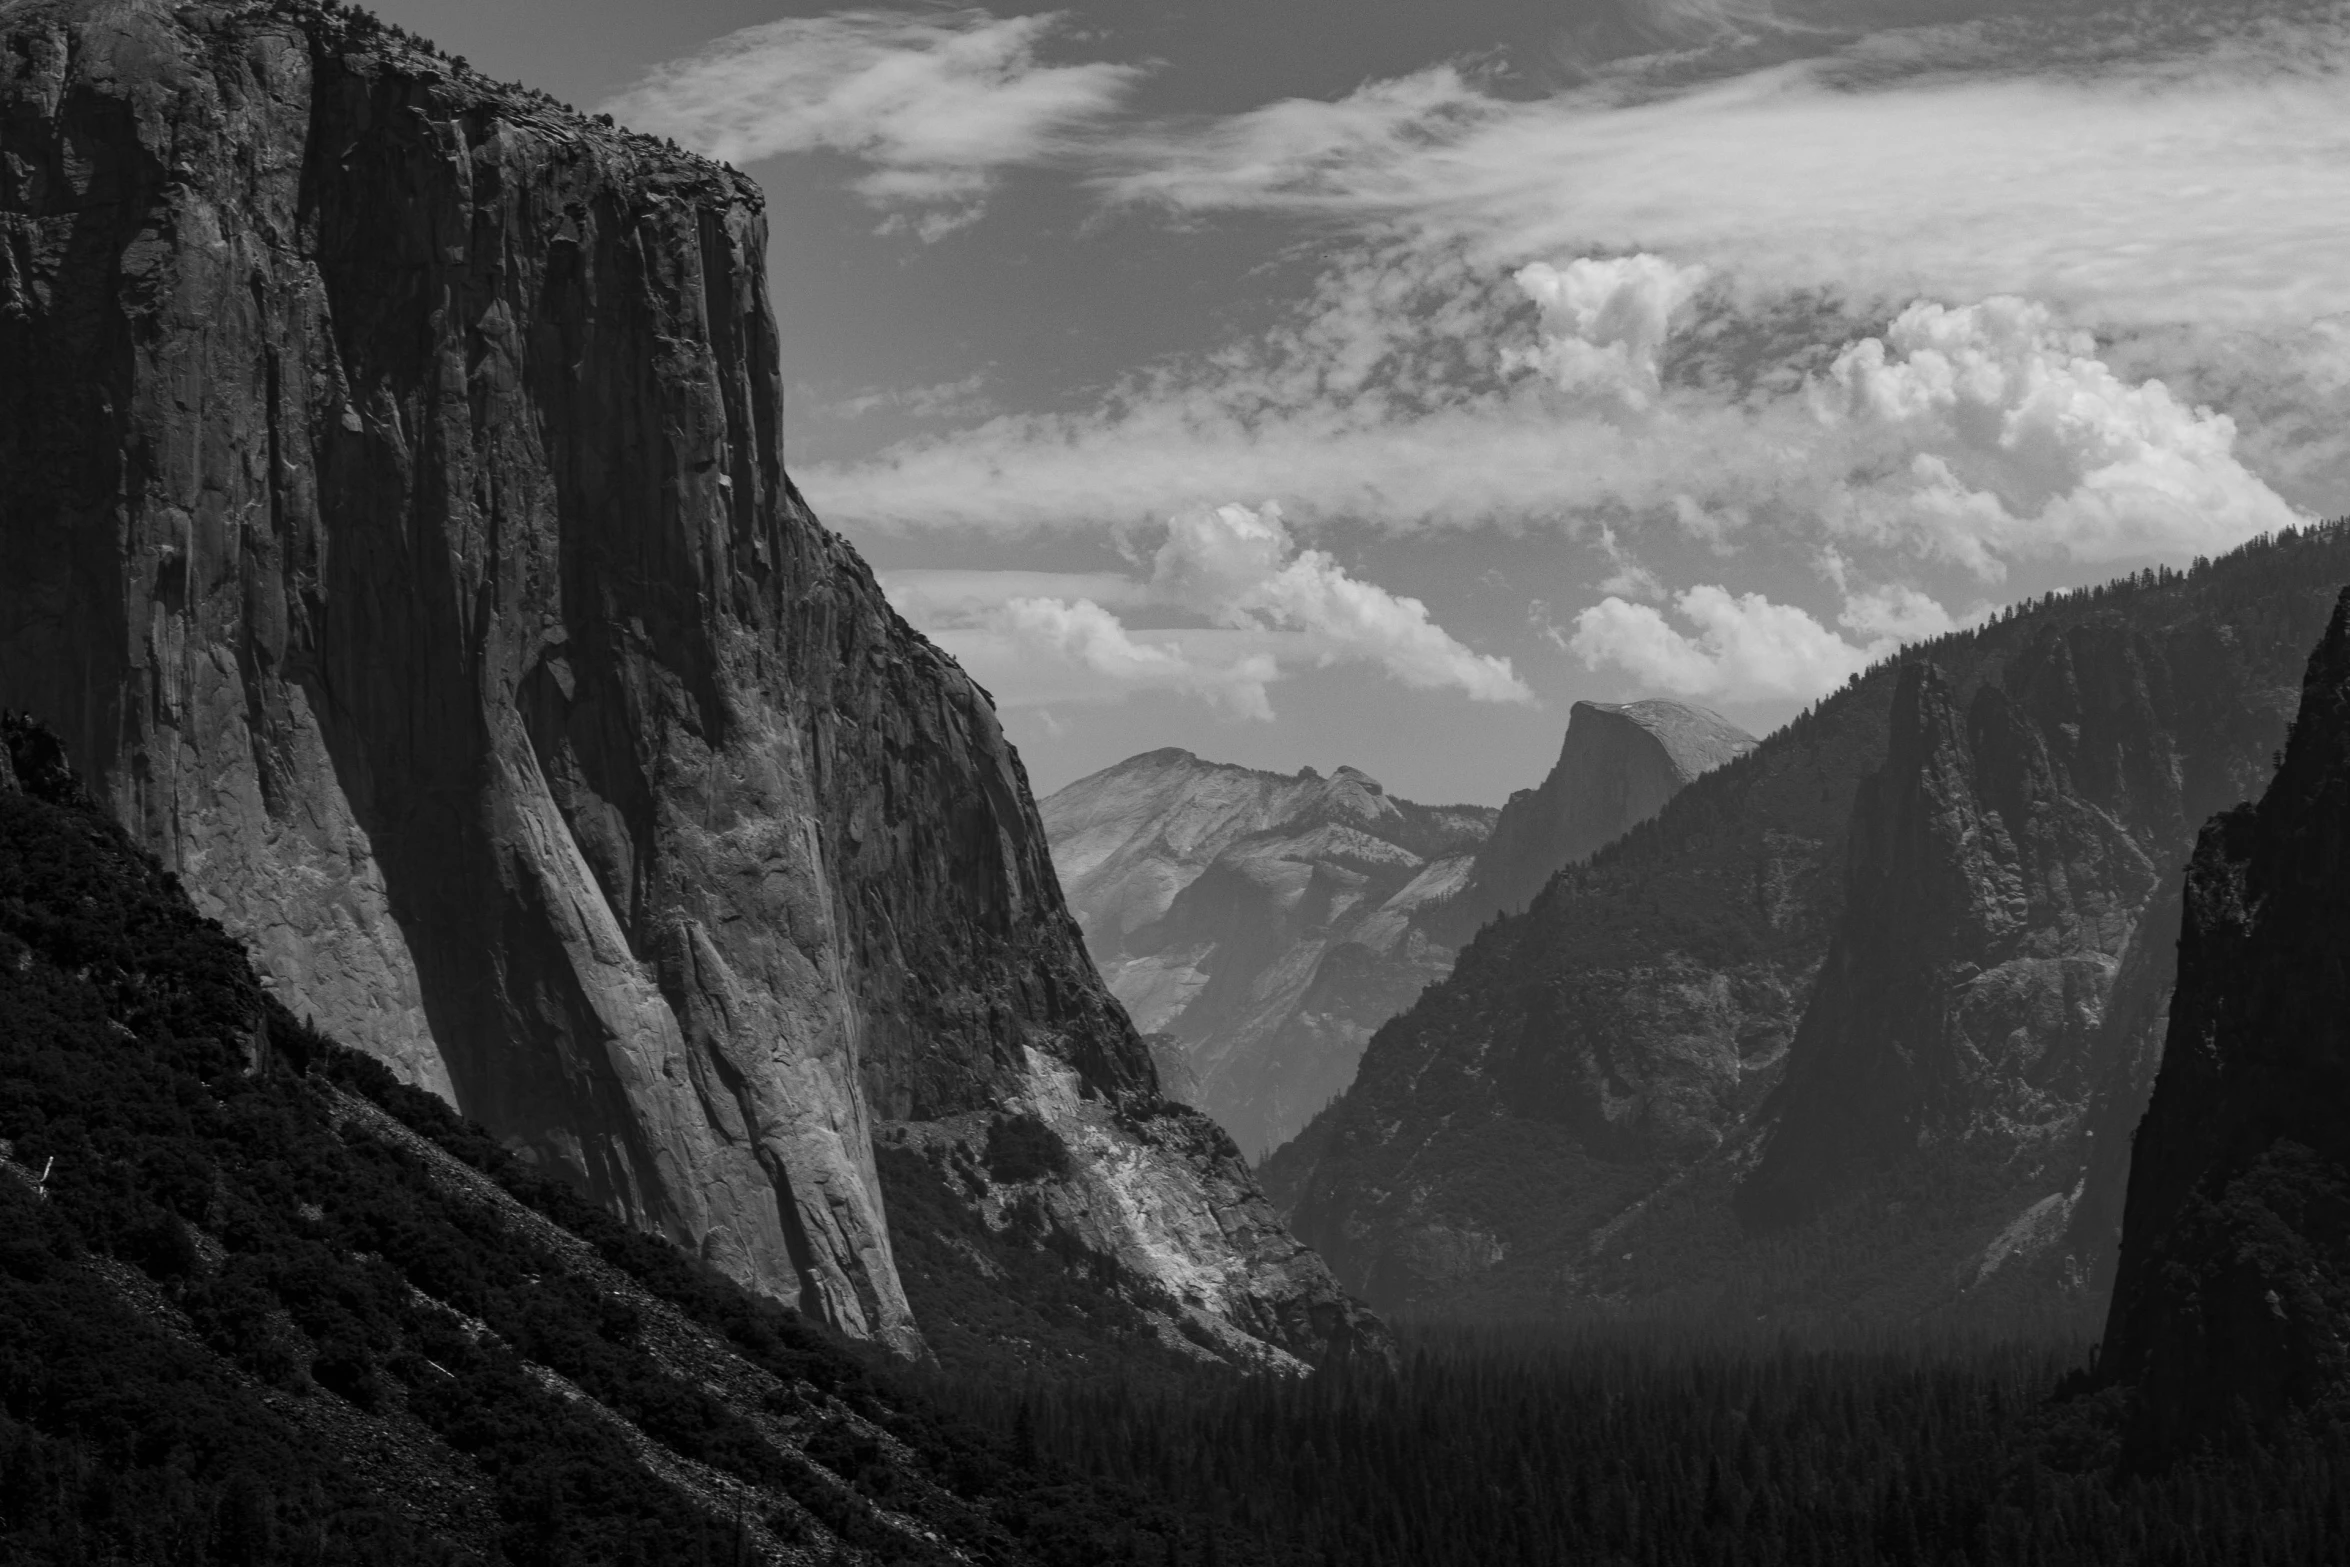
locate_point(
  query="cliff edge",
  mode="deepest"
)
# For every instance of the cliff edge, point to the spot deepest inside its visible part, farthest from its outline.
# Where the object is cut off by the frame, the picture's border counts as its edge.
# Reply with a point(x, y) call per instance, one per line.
point(1617, 766)
point(392, 486)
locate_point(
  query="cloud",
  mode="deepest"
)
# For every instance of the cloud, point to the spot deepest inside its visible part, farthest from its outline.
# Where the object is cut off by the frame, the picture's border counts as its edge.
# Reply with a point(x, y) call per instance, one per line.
point(1630, 579)
point(1082, 638)
point(931, 596)
point(1604, 323)
point(1406, 391)
point(1744, 648)
point(2203, 177)
point(1894, 614)
point(1415, 392)
point(1274, 608)
point(934, 103)
point(1990, 434)
point(1237, 566)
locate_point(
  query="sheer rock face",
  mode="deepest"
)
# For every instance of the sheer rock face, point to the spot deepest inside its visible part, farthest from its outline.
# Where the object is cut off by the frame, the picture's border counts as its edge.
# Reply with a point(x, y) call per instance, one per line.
point(391, 489)
point(1617, 767)
point(2233, 1291)
point(1258, 926)
point(1883, 990)
point(1993, 883)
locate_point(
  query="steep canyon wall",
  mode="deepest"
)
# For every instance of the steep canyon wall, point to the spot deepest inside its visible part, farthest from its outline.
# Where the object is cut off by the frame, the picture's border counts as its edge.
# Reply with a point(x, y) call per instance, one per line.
point(396, 528)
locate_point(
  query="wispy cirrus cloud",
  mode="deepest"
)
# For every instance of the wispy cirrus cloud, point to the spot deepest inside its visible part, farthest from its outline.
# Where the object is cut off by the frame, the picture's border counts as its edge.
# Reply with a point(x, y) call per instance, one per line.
point(2120, 170)
point(936, 104)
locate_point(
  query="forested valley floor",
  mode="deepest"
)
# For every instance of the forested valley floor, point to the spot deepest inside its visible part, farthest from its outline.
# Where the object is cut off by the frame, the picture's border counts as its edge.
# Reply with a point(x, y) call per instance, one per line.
point(1670, 1447)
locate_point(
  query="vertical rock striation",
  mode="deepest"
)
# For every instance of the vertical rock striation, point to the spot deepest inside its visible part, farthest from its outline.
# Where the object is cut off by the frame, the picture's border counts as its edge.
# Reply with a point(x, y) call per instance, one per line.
point(2233, 1291)
point(391, 485)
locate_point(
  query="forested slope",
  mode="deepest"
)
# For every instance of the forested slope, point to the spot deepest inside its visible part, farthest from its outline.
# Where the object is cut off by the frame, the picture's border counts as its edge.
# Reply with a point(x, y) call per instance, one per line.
point(261, 1303)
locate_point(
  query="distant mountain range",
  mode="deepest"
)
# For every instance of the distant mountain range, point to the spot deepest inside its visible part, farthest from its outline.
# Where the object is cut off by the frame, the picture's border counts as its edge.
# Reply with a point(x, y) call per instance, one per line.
point(1859, 1026)
point(1259, 927)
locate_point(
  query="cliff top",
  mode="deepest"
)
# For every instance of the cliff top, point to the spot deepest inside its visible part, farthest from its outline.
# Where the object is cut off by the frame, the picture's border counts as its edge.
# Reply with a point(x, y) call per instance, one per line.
point(1696, 739)
point(358, 34)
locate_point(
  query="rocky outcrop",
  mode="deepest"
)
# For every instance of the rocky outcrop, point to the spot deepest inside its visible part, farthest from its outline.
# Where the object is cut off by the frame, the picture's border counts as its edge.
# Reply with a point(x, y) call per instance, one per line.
point(1992, 883)
point(2233, 1293)
point(1849, 1026)
point(1260, 925)
point(391, 485)
point(1617, 767)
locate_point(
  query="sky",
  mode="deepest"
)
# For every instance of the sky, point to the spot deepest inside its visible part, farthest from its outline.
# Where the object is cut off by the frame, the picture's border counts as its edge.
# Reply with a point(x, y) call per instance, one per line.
point(1321, 382)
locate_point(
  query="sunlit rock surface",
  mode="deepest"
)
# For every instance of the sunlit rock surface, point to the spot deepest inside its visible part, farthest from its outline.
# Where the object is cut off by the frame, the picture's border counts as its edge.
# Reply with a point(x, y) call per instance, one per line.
point(392, 498)
point(1259, 926)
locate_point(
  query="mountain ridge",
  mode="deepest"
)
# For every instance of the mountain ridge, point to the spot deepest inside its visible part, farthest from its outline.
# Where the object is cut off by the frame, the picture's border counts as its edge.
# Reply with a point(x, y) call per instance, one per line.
point(1564, 1124)
point(1255, 923)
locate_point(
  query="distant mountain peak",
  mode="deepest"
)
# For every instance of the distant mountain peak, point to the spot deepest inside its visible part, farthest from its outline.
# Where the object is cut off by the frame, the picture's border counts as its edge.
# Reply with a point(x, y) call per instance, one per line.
point(1259, 925)
point(1619, 762)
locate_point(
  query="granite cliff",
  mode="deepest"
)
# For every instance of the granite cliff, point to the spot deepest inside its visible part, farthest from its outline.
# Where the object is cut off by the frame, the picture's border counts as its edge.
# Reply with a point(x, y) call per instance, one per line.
point(2233, 1293)
point(1258, 926)
point(1854, 1024)
point(1617, 767)
point(398, 534)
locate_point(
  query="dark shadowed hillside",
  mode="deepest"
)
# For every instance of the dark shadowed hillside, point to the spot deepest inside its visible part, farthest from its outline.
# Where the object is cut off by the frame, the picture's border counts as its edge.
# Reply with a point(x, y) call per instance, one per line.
point(1647, 1089)
point(2233, 1297)
point(261, 1303)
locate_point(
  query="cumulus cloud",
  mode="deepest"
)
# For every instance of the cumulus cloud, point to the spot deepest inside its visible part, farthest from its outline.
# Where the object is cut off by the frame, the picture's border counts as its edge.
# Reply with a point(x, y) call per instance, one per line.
point(1893, 614)
point(1741, 648)
point(1982, 436)
point(1083, 638)
point(1238, 566)
point(1604, 323)
point(1990, 433)
point(934, 103)
point(1273, 608)
point(1409, 389)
